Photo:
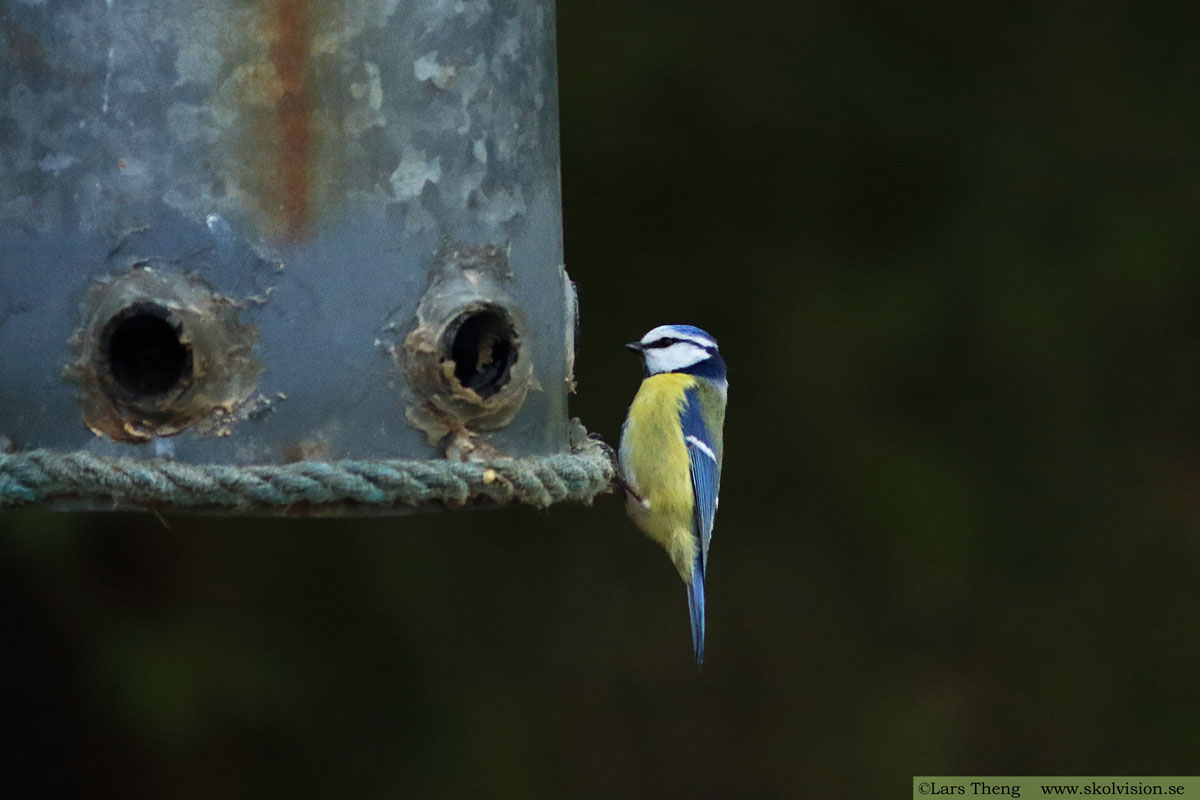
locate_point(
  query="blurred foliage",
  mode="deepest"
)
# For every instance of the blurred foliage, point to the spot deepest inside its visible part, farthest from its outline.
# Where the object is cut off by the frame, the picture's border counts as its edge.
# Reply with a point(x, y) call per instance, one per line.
point(952, 256)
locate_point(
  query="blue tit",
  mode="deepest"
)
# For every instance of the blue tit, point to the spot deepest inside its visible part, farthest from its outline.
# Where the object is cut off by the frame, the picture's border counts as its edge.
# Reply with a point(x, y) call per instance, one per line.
point(671, 447)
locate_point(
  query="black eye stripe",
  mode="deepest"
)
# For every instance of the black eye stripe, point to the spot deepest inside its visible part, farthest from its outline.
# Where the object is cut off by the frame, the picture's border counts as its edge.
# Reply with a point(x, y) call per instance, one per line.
point(668, 341)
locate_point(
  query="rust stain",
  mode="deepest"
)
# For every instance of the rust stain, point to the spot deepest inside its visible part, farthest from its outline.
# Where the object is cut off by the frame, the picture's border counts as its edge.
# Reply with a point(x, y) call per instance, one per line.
point(280, 152)
point(293, 114)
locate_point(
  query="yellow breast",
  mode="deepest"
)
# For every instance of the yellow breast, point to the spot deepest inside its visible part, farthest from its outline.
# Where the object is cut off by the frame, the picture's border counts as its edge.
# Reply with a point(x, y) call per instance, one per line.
point(655, 460)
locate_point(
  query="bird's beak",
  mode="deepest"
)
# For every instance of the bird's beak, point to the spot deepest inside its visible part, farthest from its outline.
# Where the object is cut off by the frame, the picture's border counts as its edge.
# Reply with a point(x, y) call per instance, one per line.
point(635, 347)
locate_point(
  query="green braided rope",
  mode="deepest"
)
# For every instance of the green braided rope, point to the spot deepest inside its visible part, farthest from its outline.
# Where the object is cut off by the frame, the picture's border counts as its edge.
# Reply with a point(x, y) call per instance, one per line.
point(41, 476)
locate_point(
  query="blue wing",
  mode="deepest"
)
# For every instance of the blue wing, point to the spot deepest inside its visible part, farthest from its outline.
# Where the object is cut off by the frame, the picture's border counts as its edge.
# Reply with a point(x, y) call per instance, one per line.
point(706, 476)
point(706, 472)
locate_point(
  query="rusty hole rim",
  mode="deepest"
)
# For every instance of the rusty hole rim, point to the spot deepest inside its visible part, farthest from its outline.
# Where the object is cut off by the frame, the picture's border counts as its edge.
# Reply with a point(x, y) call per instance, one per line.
point(483, 344)
point(144, 359)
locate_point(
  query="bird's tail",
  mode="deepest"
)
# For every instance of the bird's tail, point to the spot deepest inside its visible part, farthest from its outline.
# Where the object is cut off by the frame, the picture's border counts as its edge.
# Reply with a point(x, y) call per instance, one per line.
point(695, 591)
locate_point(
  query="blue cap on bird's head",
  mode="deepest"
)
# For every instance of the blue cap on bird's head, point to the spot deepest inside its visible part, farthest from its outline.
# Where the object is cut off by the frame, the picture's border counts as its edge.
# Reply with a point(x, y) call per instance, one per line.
point(680, 348)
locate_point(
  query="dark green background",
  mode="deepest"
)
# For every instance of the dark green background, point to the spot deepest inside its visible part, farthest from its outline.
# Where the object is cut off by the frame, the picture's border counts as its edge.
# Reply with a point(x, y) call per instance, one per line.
point(952, 256)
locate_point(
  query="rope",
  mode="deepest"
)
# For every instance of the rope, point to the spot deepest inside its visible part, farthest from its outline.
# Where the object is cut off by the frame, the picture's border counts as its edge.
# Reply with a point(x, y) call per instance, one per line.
point(41, 476)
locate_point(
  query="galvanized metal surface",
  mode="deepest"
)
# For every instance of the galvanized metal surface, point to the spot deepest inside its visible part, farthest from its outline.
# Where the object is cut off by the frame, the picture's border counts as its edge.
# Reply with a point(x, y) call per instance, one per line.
point(316, 164)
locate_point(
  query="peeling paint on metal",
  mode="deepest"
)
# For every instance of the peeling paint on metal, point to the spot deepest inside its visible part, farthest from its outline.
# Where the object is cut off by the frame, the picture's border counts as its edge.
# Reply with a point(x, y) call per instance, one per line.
point(412, 173)
point(467, 281)
point(218, 389)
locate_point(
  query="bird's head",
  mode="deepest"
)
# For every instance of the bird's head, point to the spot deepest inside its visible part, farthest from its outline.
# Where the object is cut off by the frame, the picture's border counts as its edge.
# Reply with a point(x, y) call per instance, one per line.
point(680, 348)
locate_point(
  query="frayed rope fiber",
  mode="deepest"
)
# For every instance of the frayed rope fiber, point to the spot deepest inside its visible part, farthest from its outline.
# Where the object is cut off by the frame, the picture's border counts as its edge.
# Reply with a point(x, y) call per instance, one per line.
point(41, 476)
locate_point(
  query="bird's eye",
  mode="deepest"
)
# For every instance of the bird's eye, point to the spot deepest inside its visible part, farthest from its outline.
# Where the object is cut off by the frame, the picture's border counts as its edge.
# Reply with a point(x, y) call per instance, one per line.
point(661, 343)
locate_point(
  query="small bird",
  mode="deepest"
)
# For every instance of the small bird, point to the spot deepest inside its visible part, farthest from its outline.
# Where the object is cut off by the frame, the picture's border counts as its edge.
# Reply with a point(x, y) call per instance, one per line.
point(671, 448)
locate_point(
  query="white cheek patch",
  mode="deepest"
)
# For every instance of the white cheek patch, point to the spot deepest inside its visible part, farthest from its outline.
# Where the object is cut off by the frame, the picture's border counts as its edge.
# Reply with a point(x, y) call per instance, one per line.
point(676, 357)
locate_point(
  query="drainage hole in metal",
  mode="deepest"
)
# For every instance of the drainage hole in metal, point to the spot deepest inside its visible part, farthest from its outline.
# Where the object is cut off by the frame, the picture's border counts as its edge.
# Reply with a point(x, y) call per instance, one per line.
point(144, 352)
point(484, 349)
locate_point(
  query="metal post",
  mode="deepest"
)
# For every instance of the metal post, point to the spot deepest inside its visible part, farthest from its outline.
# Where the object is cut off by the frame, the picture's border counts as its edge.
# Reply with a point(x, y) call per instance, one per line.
point(259, 231)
